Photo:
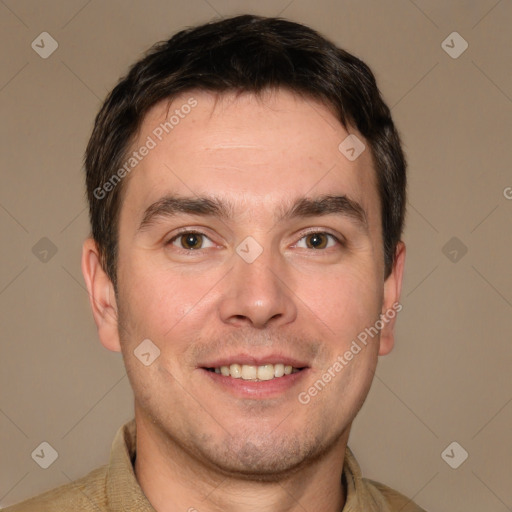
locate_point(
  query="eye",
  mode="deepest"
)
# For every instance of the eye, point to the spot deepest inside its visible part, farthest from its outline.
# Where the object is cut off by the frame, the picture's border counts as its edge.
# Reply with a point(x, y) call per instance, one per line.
point(317, 240)
point(191, 240)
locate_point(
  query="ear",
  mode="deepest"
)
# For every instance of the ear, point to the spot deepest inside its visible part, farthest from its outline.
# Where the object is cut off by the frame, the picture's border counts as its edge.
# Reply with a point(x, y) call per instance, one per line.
point(101, 296)
point(391, 303)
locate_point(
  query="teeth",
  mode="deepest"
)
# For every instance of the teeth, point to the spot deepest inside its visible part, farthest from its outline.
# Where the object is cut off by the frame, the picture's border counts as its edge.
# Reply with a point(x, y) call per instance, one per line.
point(235, 370)
point(278, 370)
point(250, 372)
point(266, 372)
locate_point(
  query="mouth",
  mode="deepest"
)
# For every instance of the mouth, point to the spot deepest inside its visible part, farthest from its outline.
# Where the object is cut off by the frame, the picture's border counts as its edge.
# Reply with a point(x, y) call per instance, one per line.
point(256, 377)
point(257, 382)
point(255, 373)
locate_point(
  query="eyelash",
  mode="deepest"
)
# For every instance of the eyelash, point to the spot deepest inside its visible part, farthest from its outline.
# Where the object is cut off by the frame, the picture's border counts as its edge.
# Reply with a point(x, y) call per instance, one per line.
point(337, 239)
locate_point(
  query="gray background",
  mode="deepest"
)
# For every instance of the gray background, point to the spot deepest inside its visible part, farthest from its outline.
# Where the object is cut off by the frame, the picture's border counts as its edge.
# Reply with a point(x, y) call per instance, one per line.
point(448, 378)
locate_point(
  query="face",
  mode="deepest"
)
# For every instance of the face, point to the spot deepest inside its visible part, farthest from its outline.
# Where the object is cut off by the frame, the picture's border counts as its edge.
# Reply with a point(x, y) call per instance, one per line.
point(250, 245)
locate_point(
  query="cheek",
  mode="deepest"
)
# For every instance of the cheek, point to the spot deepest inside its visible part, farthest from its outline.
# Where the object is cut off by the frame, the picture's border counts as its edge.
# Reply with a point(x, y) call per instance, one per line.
point(161, 300)
point(346, 301)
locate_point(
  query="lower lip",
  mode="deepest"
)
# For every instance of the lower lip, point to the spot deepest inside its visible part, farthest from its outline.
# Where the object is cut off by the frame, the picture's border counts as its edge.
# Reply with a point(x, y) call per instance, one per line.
point(257, 389)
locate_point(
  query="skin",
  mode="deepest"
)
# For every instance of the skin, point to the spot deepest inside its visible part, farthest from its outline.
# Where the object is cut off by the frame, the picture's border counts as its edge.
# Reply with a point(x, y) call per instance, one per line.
point(198, 445)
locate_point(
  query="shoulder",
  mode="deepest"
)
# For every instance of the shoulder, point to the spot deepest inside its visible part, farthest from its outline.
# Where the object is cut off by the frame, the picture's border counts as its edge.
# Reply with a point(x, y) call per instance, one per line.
point(394, 500)
point(369, 495)
point(85, 494)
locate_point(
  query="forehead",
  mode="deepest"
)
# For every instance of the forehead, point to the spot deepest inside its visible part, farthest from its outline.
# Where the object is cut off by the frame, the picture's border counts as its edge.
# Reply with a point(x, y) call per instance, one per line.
point(269, 150)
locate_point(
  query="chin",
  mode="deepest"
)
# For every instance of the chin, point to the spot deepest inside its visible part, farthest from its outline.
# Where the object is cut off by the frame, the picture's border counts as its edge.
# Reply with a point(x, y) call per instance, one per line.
point(265, 458)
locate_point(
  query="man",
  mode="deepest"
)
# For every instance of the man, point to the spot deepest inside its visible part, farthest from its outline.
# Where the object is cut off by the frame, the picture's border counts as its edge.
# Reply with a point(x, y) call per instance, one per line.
point(247, 188)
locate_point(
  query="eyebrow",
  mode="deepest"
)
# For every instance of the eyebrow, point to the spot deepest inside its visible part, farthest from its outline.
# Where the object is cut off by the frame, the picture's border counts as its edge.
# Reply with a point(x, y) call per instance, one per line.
point(328, 205)
point(170, 206)
point(302, 207)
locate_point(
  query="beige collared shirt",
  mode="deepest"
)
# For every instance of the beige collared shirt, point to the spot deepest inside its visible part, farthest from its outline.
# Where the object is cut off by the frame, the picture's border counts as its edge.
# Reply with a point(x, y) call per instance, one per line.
point(114, 488)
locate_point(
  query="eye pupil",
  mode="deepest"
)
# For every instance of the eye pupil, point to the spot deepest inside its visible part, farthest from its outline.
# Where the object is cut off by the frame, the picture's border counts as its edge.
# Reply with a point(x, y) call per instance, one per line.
point(316, 241)
point(191, 240)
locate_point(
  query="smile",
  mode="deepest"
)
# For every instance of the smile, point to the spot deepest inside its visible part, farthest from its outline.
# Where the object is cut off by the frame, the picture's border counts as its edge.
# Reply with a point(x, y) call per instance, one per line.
point(255, 373)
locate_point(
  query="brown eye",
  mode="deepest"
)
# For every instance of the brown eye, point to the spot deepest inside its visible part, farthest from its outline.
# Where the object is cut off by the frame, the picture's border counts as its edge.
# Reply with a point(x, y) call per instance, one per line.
point(191, 240)
point(317, 241)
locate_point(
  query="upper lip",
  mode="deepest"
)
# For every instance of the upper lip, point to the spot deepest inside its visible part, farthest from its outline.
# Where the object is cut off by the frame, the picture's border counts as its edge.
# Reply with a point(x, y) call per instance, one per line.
point(253, 360)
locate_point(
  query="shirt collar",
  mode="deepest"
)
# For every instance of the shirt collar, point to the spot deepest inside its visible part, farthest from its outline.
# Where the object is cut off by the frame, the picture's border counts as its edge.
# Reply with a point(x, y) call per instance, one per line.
point(123, 490)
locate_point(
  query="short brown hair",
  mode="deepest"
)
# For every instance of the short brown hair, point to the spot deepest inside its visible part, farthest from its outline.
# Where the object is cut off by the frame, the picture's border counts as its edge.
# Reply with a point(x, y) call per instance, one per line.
point(244, 54)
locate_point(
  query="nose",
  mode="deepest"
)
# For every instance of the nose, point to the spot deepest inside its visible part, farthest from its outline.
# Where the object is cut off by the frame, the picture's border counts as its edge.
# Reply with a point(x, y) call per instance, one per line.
point(257, 294)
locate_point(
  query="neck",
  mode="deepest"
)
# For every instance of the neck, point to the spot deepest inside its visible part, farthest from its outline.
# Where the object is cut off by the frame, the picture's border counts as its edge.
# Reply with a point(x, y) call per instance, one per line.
point(173, 479)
